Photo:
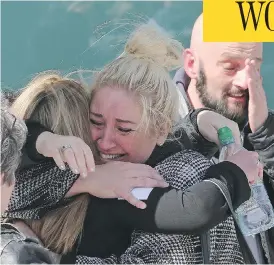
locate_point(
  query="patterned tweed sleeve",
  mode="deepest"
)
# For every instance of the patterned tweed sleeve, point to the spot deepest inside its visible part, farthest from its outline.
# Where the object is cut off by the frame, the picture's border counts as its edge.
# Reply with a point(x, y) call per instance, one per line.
point(38, 190)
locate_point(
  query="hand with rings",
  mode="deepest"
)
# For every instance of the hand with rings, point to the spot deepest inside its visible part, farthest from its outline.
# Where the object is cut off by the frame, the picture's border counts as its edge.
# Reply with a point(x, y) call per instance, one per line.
point(67, 149)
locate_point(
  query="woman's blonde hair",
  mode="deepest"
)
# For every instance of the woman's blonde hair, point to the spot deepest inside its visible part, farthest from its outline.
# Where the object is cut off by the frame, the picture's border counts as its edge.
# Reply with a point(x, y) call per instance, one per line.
point(62, 105)
point(143, 69)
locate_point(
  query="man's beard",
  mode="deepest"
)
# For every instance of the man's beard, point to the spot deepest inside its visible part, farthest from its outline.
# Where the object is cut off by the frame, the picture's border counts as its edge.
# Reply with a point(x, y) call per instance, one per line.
point(238, 114)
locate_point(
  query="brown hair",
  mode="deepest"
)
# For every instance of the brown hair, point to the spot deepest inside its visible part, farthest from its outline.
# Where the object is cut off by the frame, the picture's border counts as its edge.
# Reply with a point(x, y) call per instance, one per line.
point(62, 105)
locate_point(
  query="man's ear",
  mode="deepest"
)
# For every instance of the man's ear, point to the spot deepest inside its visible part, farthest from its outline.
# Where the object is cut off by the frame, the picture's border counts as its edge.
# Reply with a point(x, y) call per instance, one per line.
point(191, 63)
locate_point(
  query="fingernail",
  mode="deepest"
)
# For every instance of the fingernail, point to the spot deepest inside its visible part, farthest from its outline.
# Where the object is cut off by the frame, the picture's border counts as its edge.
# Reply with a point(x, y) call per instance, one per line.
point(76, 171)
point(62, 167)
point(84, 174)
point(143, 206)
point(92, 169)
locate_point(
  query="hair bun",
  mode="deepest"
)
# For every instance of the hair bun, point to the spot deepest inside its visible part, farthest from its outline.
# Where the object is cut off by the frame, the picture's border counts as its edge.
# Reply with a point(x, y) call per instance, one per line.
point(150, 43)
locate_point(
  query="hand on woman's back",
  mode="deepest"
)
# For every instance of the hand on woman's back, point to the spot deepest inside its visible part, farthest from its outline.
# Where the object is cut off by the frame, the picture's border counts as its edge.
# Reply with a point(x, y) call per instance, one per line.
point(118, 179)
point(67, 149)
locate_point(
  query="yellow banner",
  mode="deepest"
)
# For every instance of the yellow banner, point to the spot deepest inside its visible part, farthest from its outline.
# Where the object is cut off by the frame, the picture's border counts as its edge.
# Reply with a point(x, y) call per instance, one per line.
point(238, 21)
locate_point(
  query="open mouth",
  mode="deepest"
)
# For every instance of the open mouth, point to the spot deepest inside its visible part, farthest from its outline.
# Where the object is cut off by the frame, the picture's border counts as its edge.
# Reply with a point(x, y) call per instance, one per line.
point(240, 97)
point(111, 157)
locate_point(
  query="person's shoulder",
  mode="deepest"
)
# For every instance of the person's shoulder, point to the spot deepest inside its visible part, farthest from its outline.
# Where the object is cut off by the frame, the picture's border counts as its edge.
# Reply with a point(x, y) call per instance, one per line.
point(269, 123)
point(186, 157)
point(42, 166)
point(17, 248)
point(9, 234)
point(184, 168)
point(47, 169)
point(271, 113)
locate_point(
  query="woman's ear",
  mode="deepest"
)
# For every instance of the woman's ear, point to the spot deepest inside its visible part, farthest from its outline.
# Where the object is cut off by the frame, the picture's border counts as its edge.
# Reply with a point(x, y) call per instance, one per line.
point(162, 137)
point(191, 63)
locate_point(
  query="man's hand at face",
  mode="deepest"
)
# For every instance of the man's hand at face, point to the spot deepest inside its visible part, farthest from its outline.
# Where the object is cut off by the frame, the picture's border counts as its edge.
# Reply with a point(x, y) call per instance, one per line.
point(257, 105)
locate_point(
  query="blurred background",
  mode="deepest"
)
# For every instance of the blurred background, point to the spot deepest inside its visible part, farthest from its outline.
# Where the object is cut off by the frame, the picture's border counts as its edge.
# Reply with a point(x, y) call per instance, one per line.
point(68, 36)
